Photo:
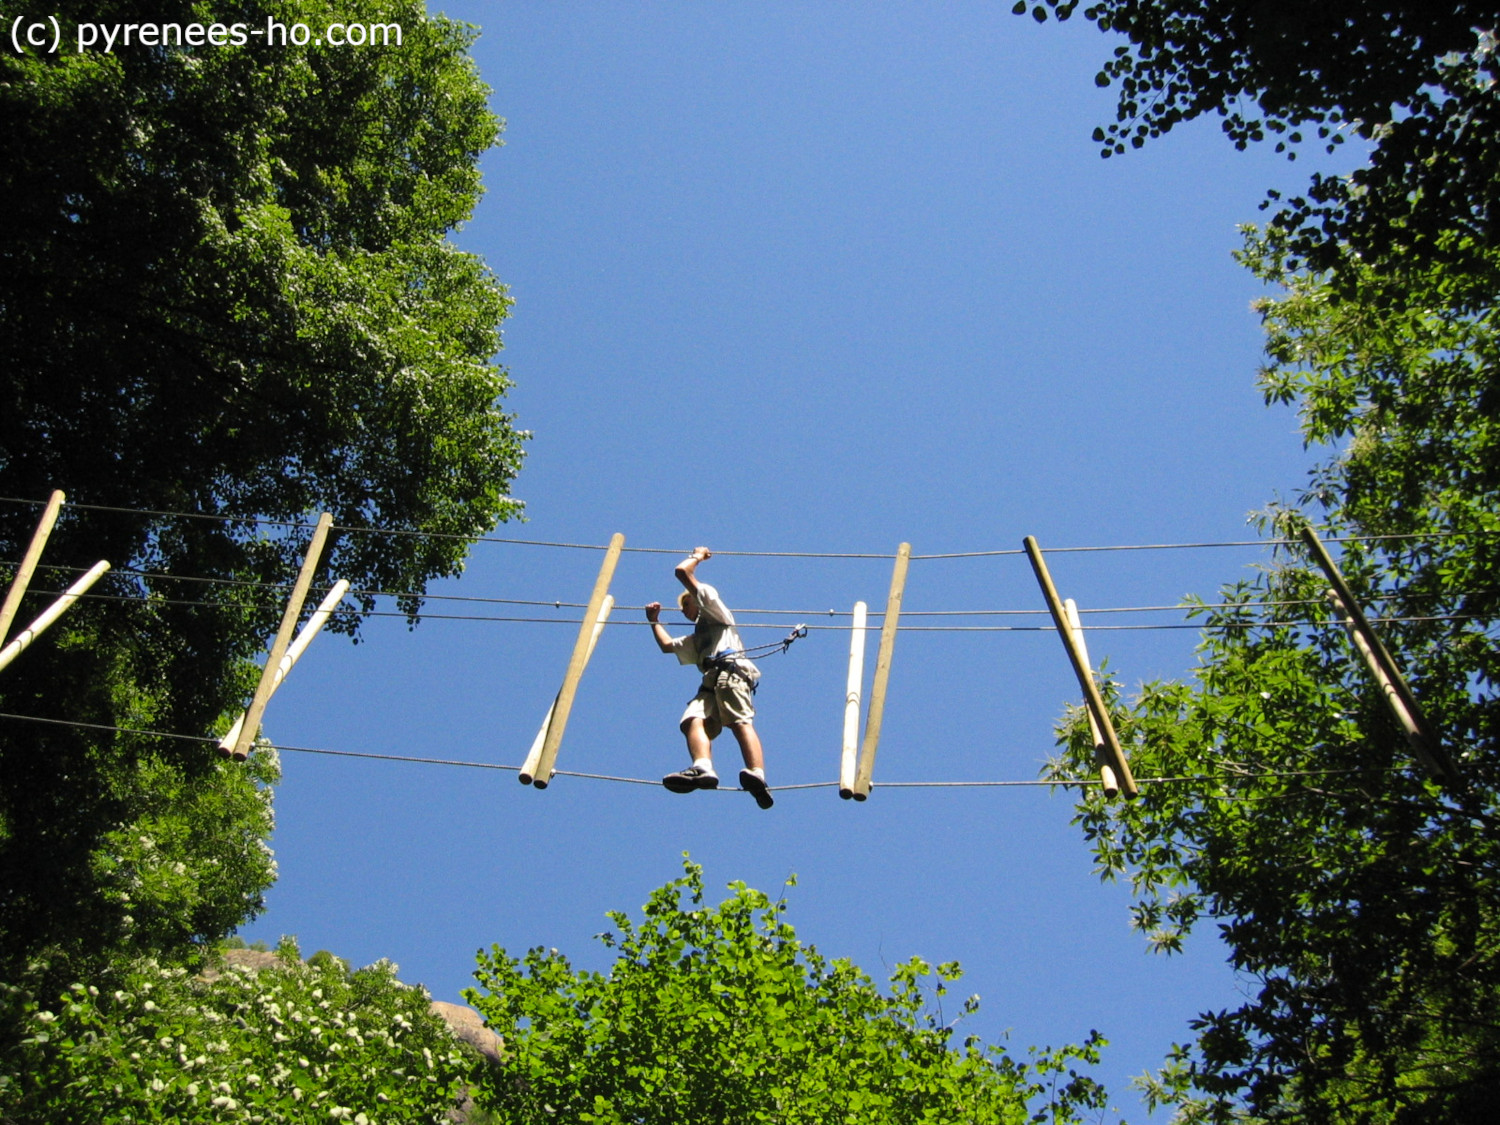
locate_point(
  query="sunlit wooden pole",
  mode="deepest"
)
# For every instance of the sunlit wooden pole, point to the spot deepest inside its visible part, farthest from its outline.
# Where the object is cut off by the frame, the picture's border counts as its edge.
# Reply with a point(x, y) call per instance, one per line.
point(293, 654)
point(269, 674)
point(1397, 693)
point(28, 563)
point(547, 760)
point(1094, 701)
point(24, 638)
point(866, 767)
point(534, 755)
point(847, 762)
point(1107, 777)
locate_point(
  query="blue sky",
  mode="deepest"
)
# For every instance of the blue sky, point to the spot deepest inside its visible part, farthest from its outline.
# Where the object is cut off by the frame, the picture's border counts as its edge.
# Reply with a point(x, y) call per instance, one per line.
point(797, 277)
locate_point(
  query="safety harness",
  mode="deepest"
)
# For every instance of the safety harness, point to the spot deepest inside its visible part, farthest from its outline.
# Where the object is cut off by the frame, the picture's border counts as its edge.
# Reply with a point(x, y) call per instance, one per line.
point(730, 661)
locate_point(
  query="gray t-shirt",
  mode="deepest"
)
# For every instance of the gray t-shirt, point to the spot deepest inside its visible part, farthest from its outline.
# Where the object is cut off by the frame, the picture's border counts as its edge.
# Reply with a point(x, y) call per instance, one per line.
point(713, 635)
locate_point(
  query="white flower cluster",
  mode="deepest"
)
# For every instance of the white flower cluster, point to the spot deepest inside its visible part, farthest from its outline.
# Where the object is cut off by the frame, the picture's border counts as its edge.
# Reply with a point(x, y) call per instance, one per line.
point(236, 1045)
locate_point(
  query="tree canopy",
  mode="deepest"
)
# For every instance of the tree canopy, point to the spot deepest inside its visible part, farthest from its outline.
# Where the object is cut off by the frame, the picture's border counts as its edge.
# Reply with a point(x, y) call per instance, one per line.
point(1415, 81)
point(718, 1013)
point(228, 290)
point(1355, 894)
point(227, 296)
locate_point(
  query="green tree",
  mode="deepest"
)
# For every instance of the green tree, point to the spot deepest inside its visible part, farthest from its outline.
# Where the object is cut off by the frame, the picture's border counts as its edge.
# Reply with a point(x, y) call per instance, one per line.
point(1414, 80)
point(300, 1043)
point(714, 1014)
point(1356, 896)
point(226, 289)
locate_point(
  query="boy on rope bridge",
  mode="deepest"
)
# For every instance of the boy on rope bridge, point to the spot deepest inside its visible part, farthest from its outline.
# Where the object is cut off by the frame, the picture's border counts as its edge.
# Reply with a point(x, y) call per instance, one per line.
point(724, 698)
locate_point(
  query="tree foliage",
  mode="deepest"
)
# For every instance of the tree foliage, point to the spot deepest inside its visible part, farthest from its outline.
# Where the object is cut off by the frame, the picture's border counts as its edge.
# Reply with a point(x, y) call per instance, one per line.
point(301, 1043)
point(227, 290)
point(713, 1014)
point(227, 287)
point(1415, 80)
point(1356, 896)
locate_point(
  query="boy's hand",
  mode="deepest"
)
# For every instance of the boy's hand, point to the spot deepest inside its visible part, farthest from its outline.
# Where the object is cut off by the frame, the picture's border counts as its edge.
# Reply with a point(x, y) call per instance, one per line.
point(653, 611)
point(701, 553)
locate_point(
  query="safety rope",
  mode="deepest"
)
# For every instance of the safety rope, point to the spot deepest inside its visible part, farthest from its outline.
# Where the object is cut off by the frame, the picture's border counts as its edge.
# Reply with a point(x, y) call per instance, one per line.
point(756, 652)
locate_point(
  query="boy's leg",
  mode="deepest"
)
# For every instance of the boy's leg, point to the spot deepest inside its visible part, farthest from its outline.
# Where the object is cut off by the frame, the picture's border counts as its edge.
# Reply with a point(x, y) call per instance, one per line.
point(750, 750)
point(732, 694)
point(698, 743)
point(753, 776)
point(699, 730)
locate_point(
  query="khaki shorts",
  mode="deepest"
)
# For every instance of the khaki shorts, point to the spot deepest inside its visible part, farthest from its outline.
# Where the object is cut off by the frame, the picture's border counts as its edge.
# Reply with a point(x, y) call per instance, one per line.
point(723, 700)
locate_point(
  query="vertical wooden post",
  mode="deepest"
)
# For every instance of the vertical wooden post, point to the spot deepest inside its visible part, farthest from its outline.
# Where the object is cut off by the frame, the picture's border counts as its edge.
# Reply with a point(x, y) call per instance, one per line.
point(866, 768)
point(293, 654)
point(24, 638)
point(1107, 777)
point(1393, 686)
point(1404, 718)
point(1413, 724)
point(857, 636)
point(1092, 698)
point(268, 674)
point(28, 563)
point(534, 755)
point(314, 625)
point(564, 704)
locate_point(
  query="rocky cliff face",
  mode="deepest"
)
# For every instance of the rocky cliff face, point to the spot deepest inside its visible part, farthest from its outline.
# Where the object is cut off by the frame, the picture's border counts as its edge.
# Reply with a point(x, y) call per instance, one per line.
point(468, 1027)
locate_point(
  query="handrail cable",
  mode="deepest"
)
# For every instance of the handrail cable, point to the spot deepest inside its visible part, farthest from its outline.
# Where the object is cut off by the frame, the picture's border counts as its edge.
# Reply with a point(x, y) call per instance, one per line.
point(1187, 607)
point(574, 622)
point(263, 521)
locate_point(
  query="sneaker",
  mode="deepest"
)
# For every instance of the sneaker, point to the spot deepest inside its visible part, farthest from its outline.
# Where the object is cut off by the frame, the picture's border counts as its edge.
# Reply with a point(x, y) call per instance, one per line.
point(757, 788)
point(685, 781)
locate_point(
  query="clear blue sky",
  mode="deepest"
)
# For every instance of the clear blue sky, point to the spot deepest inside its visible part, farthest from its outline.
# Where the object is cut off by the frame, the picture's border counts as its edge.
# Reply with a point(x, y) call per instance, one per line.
point(811, 278)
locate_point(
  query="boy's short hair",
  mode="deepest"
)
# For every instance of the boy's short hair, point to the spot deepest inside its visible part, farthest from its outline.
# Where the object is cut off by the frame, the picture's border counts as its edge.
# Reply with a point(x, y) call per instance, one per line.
point(682, 599)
